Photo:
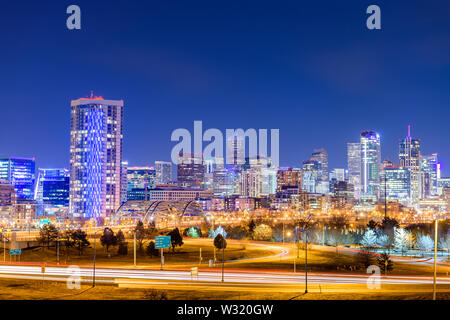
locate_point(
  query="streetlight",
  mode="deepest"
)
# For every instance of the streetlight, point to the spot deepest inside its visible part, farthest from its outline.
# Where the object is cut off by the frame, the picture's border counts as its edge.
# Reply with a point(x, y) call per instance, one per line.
point(435, 256)
point(223, 257)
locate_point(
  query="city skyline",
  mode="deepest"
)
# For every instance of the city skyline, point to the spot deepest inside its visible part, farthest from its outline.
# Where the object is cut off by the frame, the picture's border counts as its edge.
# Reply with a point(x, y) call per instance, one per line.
point(332, 77)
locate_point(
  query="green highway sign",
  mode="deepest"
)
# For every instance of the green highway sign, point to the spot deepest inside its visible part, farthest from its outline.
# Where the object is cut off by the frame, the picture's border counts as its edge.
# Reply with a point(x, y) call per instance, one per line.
point(14, 252)
point(162, 242)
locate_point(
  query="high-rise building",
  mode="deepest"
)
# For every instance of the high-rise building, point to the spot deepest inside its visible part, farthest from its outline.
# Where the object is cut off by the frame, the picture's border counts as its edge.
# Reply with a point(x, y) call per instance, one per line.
point(288, 178)
point(321, 156)
point(235, 151)
point(52, 187)
point(409, 157)
point(7, 193)
point(251, 185)
point(354, 166)
point(95, 157)
point(338, 174)
point(140, 180)
point(310, 176)
point(370, 163)
point(123, 182)
point(190, 171)
point(20, 172)
point(430, 171)
point(163, 172)
point(224, 182)
point(395, 183)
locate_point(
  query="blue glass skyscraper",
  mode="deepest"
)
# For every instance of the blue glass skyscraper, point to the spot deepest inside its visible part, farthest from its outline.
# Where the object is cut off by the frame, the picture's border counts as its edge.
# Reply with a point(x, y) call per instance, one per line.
point(95, 157)
point(20, 172)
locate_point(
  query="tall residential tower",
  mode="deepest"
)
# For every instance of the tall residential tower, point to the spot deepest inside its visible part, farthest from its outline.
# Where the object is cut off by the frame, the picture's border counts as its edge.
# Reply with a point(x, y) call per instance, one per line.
point(95, 157)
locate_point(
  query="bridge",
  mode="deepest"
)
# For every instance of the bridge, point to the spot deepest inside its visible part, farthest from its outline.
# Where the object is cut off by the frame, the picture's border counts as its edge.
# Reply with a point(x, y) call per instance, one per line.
point(163, 214)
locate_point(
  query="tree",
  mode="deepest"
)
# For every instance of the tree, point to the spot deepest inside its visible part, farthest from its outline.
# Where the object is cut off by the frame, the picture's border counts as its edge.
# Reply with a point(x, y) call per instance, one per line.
point(123, 245)
point(47, 234)
point(175, 238)
point(79, 239)
point(369, 239)
point(141, 235)
point(220, 242)
point(108, 239)
point(251, 226)
point(372, 225)
point(388, 226)
point(237, 232)
point(262, 232)
point(151, 250)
point(220, 230)
point(382, 240)
point(192, 232)
point(424, 243)
point(444, 243)
point(402, 239)
point(385, 263)
point(211, 233)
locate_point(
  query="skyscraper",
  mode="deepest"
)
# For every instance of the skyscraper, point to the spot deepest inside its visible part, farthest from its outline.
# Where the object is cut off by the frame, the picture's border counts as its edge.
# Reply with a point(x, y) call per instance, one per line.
point(429, 175)
point(409, 157)
point(95, 157)
point(20, 172)
point(52, 187)
point(310, 176)
point(190, 171)
point(321, 156)
point(354, 166)
point(370, 163)
point(163, 172)
point(140, 180)
point(395, 183)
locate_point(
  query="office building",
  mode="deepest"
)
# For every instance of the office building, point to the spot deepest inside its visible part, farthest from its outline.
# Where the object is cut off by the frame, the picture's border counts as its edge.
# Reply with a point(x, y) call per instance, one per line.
point(163, 172)
point(52, 187)
point(20, 172)
point(190, 171)
point(370, 164)
point(140, 180)
point(409, 157)
point(354, 166)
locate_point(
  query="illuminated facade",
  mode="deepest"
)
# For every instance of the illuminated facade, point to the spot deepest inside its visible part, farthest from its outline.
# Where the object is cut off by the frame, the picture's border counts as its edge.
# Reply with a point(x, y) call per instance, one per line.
point(190, 171)
point(140, 180)
point(409, 157)
point(370, 163)
point(354, 166)
point(20, 172)
point(430, 172)
point(163, 172)
point(52, 187)
point(396, 183)
point(95, 157)
point(310, 176)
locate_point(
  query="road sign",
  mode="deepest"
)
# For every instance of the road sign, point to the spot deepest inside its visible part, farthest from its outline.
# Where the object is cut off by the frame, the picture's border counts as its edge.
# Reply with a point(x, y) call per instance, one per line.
point(162, 242)
point(44, 221)
point(14, 252)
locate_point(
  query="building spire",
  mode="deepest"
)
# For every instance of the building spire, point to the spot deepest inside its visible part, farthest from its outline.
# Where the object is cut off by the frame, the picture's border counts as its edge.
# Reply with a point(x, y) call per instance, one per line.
point(409, 131)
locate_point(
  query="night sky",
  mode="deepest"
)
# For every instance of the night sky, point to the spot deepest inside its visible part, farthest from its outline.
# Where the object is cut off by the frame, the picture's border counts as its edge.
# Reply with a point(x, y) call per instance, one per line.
point(310, 68)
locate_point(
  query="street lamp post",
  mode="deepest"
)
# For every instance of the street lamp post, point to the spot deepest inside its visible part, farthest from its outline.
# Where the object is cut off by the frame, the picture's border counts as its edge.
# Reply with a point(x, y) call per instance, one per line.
point(306, 261)
point(95, 253)
point(435, 256)
point(223, 258)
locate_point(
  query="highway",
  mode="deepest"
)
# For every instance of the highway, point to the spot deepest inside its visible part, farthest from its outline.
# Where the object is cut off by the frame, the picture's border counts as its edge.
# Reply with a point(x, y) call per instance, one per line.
point(211, 279)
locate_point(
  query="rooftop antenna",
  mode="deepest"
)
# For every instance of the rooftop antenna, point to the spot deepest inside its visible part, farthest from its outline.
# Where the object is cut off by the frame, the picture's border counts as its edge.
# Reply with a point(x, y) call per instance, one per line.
point(409, 130)
point(92, 94)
